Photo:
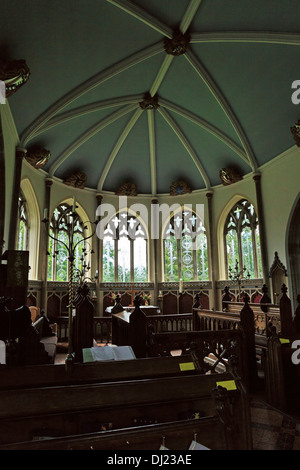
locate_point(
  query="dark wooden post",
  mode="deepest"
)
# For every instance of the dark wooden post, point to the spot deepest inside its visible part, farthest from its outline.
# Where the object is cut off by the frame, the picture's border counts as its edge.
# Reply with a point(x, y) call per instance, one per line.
point(265, 299)
point(138, 330)
point(296, 321)
point(2, 189)
point(286, 317)
point(83, 322)
point(226, 298)
point(248, 330)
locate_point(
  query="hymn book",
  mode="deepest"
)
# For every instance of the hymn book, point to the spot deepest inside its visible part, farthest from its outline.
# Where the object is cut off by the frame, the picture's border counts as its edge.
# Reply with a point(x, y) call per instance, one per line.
point(108, 353)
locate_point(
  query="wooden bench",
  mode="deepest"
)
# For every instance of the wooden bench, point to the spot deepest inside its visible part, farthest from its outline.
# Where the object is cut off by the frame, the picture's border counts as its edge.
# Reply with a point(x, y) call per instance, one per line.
point(62, 411)
point(60, 403)
point(177, 435)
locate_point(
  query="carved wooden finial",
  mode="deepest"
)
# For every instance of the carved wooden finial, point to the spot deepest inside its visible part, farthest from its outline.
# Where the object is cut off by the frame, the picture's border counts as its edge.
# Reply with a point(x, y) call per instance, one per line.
point(284, 289)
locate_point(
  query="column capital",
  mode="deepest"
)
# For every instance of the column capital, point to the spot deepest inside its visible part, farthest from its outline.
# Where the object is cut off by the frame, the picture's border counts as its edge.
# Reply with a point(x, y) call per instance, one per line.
point(48, 182)
point(256, 176)
point(209, 194)
point(20, 152)
point(99, 198)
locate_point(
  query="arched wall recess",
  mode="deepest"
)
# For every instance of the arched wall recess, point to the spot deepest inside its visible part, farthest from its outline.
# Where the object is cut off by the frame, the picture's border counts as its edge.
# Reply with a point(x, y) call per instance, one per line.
point(278, 275)
point(34, 221)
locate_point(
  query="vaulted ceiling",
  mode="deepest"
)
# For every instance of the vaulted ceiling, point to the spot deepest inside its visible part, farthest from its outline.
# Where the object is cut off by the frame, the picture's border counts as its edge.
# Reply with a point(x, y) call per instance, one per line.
point(221, 100)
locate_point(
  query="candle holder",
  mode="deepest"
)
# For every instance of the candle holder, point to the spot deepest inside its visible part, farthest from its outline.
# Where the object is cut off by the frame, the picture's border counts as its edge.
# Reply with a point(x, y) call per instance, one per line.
point(71, 248)
point(238, 275)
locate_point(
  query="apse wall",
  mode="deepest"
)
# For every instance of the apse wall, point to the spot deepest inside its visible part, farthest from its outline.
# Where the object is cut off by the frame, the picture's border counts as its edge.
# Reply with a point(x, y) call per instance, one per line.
point(279, 182)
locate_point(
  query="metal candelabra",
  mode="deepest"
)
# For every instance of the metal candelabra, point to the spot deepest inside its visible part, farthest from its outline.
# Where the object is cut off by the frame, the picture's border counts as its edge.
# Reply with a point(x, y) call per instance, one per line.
point(238, 275)
point(71, 248)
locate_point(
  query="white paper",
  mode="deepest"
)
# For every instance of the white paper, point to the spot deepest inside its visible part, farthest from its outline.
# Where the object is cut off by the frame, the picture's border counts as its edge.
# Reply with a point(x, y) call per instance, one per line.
point(196, 446)
point(108, 353)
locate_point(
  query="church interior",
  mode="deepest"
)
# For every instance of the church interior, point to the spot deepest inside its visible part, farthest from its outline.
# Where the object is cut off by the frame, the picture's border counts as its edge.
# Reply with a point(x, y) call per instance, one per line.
point(149, 225)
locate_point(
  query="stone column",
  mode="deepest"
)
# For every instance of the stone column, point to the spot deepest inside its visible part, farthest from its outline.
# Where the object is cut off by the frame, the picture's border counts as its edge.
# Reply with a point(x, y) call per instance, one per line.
point(154, 243)
point(99, 264)
point(20, 154)
point(261, 222)
point(2, 189)
point(45, 242)
point(212, 251)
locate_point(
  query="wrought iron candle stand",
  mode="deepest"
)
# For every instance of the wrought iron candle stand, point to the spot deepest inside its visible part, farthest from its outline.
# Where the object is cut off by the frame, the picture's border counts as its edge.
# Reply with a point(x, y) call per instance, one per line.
point(238, 275)
point(71, 248)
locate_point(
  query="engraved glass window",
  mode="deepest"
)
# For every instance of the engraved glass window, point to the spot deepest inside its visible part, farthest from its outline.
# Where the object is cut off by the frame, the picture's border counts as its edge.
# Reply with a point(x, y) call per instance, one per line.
point(242, 240)
point(124, 250)
point(185, 248)
point(23, 224)
point(60, 228)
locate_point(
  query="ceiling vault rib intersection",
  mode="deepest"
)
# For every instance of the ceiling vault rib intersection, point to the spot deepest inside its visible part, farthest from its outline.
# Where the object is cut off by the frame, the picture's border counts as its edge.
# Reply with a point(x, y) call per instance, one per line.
point(89, 134)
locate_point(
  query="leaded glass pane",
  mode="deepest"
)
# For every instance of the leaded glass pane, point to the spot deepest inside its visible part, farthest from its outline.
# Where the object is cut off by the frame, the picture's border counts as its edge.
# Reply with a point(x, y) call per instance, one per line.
point(187, 266)
point(60, 229)
point(257, 234)
point(247, 249)
point(171, 259)
point(202, 265)
point(232, 248)
point(241, 232)
point(108, 260)
point(140, 260)
point(124, 259)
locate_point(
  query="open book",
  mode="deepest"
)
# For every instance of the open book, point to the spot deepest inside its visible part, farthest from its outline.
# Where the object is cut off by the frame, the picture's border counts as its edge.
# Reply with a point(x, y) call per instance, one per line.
point(108, 353)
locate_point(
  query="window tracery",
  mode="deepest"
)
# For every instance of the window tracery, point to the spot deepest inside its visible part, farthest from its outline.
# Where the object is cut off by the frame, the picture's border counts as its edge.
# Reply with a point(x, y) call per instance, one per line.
point(185, 248)
point(125, 250)
point(60, 229)
point(242, 240)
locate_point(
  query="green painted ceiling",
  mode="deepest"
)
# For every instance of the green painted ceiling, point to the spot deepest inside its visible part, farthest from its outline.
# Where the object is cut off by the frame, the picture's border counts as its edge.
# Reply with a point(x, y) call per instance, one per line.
point(225, 102)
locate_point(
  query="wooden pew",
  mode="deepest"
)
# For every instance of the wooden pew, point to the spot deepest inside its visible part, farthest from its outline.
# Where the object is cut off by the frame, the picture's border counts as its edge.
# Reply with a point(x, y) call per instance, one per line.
point(104, 395)
point(177, 435)
point(61, 411)
point(92, 372)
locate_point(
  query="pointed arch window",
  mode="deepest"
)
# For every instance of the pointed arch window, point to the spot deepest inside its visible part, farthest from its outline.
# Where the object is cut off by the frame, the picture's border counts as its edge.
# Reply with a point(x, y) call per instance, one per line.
point(125, 250)
point(60, 229)
point(185, 248)
point(241, 239)
point(23, 224)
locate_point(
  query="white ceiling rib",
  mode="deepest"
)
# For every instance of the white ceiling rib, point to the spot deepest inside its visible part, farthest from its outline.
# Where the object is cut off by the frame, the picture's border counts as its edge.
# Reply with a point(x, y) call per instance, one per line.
point(117, 147)
point(93, 82)
point(88, 134)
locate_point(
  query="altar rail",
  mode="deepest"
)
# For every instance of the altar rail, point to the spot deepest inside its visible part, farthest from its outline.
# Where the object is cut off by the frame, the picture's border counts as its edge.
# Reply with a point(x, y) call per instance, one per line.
point(102, 326)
